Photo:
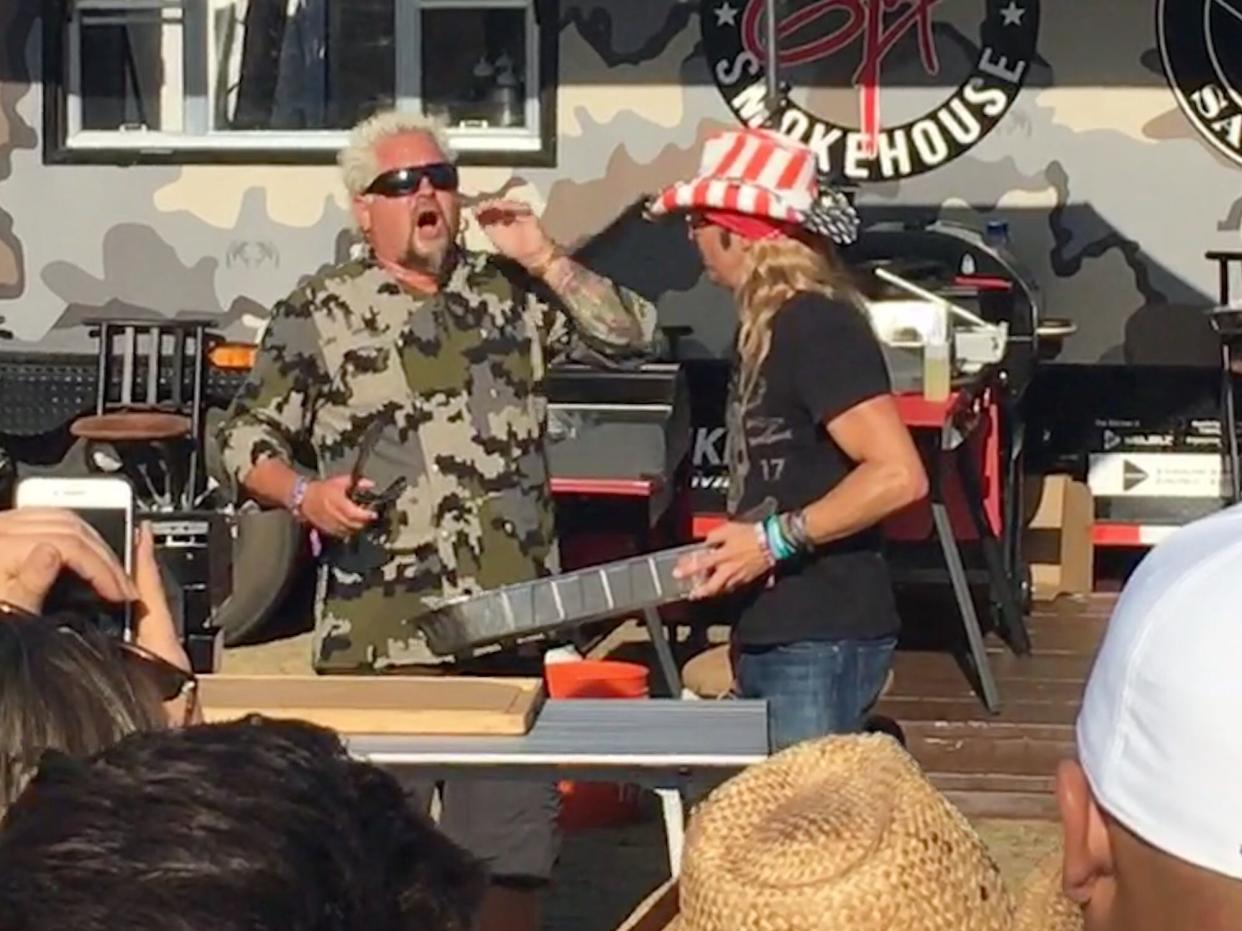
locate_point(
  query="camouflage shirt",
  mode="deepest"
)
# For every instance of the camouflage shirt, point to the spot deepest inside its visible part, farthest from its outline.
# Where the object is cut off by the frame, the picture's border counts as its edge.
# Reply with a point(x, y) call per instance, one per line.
point(457, 379)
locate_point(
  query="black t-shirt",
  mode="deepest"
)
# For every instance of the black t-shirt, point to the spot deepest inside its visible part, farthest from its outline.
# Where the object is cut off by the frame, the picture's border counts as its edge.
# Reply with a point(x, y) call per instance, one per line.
point(824, 360)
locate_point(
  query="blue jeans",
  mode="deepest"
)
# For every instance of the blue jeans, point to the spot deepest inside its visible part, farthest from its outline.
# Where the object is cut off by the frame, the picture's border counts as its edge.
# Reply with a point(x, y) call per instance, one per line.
point(813, 687)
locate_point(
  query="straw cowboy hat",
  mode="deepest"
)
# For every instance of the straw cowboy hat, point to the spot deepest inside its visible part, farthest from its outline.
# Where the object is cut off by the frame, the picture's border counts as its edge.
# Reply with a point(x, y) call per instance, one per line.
point(1042, 906)
point(835, 834)
point(762, 175)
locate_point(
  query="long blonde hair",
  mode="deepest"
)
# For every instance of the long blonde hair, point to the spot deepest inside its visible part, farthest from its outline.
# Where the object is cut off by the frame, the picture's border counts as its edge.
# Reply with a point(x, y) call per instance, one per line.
point(777, 269)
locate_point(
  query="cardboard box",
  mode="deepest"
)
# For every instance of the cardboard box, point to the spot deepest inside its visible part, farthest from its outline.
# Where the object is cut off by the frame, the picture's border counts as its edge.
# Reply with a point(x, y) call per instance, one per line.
point(1057, 542)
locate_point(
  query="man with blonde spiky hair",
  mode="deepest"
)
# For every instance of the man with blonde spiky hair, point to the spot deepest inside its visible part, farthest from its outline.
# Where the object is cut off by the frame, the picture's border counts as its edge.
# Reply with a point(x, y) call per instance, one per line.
point(428, 361)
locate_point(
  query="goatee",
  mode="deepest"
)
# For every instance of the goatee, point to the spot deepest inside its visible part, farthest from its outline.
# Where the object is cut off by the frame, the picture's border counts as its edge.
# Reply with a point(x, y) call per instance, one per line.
point(437, 265)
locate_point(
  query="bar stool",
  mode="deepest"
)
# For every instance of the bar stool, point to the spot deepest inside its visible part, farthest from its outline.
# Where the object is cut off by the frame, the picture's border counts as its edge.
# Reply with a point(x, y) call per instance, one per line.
point(1227, 321)
point(149, 399)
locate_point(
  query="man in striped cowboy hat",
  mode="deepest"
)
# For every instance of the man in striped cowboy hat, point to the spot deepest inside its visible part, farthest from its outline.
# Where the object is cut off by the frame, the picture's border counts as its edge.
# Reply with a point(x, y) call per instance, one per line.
point(818, 454)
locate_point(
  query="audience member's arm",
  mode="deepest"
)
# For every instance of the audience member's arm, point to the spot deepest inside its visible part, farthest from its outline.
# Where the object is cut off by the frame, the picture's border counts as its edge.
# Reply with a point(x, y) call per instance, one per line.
point(154, 629)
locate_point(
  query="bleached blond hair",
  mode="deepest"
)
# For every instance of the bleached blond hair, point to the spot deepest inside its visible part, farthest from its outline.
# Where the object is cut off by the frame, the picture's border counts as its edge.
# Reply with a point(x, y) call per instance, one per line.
point(359, 166)
point(776, 270)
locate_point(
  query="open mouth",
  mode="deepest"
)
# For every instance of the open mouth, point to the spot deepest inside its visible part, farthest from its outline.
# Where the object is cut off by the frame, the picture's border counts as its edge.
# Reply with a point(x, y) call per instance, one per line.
point(427, 221)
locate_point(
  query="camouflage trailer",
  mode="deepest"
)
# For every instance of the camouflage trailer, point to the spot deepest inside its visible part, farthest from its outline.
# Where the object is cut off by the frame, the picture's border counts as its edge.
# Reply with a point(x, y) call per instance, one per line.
point(173, 159)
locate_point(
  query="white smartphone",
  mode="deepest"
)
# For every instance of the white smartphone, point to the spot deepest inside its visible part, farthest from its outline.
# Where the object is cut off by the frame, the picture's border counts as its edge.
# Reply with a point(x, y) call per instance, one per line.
point(107, 504)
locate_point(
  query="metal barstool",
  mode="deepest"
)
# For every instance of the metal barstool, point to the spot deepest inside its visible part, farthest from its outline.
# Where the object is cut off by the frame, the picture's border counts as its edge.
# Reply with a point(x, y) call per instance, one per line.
point(1227, 321)
point(150, 394)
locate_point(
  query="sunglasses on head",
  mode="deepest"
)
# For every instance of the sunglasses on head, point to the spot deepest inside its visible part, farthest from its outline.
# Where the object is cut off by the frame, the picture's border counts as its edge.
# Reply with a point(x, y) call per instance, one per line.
point(401, 182)
point(169, 682)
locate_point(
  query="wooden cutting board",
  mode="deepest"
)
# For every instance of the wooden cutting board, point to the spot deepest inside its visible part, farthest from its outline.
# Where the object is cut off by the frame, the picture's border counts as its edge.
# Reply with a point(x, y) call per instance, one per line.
point(380, 704)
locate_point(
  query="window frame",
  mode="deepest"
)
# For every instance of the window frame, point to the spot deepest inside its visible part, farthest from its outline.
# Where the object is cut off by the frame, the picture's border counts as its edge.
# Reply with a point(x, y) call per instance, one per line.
point(299, 147)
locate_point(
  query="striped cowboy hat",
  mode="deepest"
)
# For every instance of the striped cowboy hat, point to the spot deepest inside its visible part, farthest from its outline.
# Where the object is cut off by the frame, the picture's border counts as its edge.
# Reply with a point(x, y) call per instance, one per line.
point(761, 173)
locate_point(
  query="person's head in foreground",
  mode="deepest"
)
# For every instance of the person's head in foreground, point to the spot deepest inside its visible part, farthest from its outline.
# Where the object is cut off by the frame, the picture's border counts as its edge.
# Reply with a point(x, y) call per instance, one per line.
point(839, 833)
point(765, 222)
point(258, 825)
point(1152, 807)
point(65, 685)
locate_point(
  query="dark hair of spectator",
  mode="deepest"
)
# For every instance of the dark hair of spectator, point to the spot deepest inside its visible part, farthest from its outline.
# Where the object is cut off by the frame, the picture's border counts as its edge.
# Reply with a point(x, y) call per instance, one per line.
point(252, 825)
point(66, 690)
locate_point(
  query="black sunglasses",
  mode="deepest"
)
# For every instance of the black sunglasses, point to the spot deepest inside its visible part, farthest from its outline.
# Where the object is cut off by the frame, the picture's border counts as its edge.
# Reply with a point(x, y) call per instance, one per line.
point(401, 182)
point(170, 682)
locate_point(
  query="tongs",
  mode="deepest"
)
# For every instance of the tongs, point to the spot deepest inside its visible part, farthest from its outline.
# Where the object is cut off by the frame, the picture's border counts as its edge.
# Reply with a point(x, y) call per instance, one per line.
point(365, 496)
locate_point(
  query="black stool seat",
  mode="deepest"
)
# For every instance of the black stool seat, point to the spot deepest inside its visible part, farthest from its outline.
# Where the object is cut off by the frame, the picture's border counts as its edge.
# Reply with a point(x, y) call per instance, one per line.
point(1227, 321)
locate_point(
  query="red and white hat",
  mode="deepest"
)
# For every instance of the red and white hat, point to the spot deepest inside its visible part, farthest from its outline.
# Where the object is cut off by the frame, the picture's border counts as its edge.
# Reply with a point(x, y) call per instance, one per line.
point(763, 174)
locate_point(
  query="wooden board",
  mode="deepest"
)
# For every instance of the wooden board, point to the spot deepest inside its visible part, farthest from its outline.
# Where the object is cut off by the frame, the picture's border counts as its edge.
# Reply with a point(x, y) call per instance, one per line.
point(380, 704)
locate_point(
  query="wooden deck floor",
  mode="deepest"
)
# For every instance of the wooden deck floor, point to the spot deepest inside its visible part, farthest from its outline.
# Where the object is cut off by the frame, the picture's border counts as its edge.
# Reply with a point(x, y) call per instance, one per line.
point(991, 765)
point(1001, 765)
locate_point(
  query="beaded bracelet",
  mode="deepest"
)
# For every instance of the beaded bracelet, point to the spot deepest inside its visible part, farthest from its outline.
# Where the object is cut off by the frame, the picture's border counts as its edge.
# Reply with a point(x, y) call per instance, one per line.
point(778, 543)
point(762, 536)
point(298, 495)
point(785, 535)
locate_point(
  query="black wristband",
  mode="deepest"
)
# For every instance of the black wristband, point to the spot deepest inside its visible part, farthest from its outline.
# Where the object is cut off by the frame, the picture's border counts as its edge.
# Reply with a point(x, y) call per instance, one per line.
point(793, 524)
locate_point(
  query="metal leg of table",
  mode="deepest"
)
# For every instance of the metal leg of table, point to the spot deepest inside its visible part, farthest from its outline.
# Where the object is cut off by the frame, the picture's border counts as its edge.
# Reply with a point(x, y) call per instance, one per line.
point(999, 580)
point(961, 590)
point(1230, 425)
point(671, 802)
point(1013, 488)
point(674, 827)
point(664, 653)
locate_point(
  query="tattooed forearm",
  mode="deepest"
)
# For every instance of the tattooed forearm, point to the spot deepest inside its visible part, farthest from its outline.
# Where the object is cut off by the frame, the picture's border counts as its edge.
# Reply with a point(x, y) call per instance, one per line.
point(594, 302)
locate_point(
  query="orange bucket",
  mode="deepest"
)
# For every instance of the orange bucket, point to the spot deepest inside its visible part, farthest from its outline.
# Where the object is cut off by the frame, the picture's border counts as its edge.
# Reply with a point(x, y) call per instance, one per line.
point(596, 804)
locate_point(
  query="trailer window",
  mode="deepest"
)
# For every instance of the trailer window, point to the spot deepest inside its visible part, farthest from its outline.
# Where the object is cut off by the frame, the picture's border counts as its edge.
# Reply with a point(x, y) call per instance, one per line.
point(475, 67)
point(258, 80)
point(279, 66)
point(121, 68)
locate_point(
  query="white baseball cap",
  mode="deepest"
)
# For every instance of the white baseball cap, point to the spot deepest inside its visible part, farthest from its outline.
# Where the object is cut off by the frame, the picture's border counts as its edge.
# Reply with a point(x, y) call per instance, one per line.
point(1159, 733)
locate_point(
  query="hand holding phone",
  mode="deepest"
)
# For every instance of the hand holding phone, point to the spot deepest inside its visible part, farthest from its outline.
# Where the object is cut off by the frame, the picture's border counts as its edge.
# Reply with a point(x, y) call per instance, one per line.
point(154, 628)
point(107, 505)
point(38, 544)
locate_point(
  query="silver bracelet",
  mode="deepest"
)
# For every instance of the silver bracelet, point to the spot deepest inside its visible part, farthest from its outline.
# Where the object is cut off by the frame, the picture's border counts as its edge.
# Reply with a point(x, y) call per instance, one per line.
point(793, 523)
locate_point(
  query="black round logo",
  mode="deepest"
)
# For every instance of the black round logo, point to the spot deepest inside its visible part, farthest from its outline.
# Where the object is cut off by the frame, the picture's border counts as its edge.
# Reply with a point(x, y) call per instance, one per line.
point(1201, 45)
point(869, 78)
